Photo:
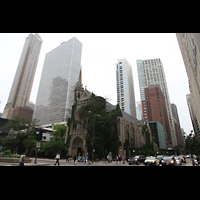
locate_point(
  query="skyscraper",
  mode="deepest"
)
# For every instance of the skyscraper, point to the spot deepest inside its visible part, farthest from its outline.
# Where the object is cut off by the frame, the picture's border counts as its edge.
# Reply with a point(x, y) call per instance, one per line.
point(24, 76)
point(176, 117)
point(189, 44)
point(151, 72)
point(58, 80)
point(193, 113)
point(154, 109)
point(125, 87)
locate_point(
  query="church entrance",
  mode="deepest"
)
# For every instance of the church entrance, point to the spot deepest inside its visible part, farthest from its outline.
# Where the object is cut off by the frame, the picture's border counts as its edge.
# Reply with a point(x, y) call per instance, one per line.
point(80, 152)
point(77, 147)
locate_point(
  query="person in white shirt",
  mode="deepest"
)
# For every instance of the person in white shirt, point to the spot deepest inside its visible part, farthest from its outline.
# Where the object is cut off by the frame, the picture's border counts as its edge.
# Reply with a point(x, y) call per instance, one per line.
point(57, 159)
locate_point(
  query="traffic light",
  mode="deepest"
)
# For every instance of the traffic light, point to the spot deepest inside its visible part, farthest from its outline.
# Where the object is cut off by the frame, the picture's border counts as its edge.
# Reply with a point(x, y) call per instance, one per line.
point(94, 145)
point(37, 137)
point(41, 134)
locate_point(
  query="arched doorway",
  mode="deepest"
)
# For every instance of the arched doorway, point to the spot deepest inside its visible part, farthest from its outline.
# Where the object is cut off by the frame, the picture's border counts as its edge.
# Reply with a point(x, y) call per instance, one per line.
point(77, 147)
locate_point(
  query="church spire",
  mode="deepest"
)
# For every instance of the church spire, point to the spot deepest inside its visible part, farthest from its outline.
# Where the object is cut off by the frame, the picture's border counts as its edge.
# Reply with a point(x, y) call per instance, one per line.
point(78, 89)
point(79, 84)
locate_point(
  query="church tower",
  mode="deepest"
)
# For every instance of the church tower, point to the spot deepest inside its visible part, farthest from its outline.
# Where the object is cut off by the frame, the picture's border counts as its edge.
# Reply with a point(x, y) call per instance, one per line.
point(78, 91)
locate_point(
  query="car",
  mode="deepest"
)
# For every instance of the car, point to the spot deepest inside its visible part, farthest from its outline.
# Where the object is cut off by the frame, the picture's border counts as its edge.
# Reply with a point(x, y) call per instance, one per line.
point(80, 159)
point(188, 156)
point(136, 160)
point(151, 161)
point(168, 161)
point(178, 160)
point(183, 158)
point(160, 157)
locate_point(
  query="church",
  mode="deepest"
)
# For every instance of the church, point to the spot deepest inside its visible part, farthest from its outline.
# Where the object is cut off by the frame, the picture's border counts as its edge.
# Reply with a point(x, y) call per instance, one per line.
point(128, 127)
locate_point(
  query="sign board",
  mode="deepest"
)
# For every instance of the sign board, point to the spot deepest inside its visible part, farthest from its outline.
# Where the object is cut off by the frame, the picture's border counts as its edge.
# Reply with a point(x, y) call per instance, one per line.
point(38, 145)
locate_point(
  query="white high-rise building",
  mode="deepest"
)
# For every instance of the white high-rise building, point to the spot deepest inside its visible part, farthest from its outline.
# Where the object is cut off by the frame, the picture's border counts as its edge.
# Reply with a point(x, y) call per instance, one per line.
point(151, 72)
point(58, 80)
point(139, 110)
point(125, 87)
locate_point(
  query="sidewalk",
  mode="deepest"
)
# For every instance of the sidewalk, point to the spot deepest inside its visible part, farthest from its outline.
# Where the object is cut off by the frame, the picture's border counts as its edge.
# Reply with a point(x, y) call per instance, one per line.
point(189, 163)
point(25, 164)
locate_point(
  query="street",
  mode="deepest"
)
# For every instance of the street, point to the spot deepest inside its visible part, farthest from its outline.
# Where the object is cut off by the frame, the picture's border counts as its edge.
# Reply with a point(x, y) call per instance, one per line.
point(63, 162)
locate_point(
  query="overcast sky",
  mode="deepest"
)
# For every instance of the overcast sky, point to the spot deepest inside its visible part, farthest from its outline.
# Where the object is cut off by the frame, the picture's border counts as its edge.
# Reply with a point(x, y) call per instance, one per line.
point(100, 52)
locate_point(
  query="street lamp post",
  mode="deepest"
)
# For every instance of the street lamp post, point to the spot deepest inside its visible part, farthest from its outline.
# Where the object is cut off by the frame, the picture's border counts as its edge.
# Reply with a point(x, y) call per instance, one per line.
point(93, 134)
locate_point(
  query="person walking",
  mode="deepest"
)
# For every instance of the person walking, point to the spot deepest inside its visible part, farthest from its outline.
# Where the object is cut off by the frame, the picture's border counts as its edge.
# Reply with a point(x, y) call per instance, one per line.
point(57, 159)
point(74, 159)
point(120, 159)
point(21, 162)
point(116, 159)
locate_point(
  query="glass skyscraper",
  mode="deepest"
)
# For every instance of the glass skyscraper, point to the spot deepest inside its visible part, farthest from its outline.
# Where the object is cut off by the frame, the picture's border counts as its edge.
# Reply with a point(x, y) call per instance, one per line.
point(151, 72)
point(125, 87)
point(58, 80)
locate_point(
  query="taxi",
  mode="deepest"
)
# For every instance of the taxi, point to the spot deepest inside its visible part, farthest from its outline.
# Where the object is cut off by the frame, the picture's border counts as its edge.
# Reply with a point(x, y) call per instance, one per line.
point(151, 161)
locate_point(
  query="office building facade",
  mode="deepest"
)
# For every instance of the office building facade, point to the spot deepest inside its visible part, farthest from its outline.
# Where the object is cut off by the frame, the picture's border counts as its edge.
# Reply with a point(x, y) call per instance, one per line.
point(154, 109)
point(151, 72)
point(189, 44)
point(193, 113)
point(58, 80)
point(177, 123)
point(24, 76)
point(158, 134)
point(125, 87)
point(139, 110)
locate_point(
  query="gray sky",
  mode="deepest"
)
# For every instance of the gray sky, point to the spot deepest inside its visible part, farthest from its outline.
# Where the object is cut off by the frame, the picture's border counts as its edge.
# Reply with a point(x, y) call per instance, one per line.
point(100, 52)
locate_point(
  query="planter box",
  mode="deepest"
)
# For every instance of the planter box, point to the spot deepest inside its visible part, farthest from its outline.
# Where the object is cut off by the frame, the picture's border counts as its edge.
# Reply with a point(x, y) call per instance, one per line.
point(14, 160)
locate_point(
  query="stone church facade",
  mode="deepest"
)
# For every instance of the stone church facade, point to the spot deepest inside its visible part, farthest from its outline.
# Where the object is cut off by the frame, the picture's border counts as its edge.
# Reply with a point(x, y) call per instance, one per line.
point(128, 127)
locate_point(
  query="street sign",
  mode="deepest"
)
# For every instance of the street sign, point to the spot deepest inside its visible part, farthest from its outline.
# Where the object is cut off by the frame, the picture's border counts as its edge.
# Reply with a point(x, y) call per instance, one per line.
point(38, 145)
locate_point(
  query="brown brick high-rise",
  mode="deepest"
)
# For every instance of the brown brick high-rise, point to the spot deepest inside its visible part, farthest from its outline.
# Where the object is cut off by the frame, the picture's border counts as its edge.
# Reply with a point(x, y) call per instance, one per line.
point(154, 109)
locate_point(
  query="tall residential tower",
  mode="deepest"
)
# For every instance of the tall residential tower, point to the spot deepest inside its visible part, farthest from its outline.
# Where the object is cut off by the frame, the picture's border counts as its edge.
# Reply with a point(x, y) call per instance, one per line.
point(24, 76)
point(151, 72)
point(125, 87)
point(58, 80)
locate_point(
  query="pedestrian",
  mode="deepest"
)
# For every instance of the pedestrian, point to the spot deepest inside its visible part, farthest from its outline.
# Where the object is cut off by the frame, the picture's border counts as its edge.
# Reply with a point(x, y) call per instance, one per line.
point(86, 159)
point(120, 159)
point(21, 162)
point(196, 162)
point(57, 159)
point(123, 158)
point(104, 159)
point(116, 159)
point(108, 157)
point(74, 159)
point(67, 156)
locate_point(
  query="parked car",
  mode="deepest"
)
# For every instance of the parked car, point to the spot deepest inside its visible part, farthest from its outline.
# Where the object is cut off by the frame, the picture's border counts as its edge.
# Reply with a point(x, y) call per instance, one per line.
point(168, 161)
point(151, 161)
point(178, 161)
point(183, 158)
point(136, 160)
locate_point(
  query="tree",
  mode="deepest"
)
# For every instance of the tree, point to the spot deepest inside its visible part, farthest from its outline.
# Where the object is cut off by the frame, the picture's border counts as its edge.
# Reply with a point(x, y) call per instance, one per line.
point(30, 144)
point(105, 126)
point(57, 144)
point(22, 127)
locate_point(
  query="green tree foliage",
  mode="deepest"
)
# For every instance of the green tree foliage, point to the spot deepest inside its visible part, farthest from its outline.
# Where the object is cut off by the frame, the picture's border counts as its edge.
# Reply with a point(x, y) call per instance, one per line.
point(23, 134)
point(105, 126)
point(147, 149)
point(55, 145)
